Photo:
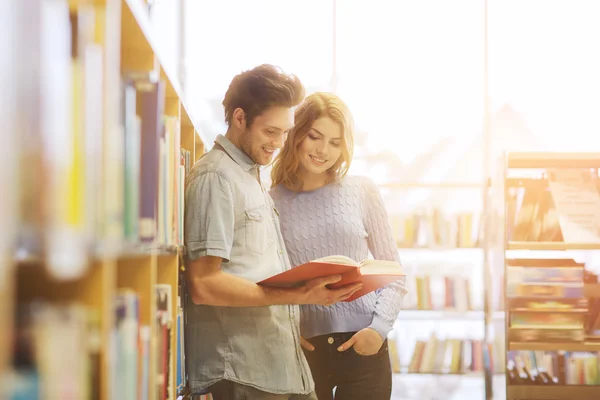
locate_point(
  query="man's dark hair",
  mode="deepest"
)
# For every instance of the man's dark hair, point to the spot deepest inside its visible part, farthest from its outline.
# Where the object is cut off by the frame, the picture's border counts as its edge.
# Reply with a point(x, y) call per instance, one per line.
point(260, 88)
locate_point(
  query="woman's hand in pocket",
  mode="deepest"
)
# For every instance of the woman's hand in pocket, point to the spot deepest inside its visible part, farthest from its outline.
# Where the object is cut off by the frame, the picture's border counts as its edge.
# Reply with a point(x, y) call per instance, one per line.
point(306, 345)
point(365, 342)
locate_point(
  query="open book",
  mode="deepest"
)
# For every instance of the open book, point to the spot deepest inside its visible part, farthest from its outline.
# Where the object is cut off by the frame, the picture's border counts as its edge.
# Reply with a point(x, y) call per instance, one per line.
point(372, 273)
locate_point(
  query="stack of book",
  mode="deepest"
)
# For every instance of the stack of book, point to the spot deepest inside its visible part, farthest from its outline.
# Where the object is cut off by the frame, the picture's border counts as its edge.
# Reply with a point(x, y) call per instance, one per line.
point(546, 300)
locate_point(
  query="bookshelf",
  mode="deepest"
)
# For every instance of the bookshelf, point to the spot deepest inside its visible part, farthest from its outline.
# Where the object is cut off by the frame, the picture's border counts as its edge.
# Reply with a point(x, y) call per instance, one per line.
point(545, 256)
point(442, 331)
point(87, 283)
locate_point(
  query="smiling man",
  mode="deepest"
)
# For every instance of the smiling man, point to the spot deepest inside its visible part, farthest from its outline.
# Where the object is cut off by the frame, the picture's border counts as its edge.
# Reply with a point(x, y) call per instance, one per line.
point(243, 340)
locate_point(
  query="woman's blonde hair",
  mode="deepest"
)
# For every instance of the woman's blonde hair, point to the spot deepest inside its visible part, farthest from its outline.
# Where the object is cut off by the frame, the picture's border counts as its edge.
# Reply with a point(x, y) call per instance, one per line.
point(315, 106)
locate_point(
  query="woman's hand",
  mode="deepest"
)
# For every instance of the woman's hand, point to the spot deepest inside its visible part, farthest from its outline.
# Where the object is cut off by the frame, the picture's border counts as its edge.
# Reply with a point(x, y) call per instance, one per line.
point(306, 344)
point(366, 342)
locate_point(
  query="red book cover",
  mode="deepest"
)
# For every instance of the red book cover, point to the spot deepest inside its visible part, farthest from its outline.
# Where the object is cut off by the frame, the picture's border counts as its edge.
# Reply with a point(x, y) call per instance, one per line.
point(373, 274)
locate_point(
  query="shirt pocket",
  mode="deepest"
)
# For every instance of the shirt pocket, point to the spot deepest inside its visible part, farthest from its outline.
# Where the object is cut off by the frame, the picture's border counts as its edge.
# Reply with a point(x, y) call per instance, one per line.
point(257, 229)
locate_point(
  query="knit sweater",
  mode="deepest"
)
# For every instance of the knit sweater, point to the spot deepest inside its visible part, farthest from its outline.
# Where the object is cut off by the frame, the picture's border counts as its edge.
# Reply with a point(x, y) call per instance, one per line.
point(347, 218)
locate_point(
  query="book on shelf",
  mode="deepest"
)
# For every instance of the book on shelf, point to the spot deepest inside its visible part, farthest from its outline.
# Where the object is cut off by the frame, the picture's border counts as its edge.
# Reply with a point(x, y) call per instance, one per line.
point(62, 149)
point(152, 108)
point(155, 166)
point(546, 300)
point(373, 274)
point(131, 351)
point(564, 206)
point(577, 200)
point(181, 380)
point(436, 229)
point(553, 368)
point(394, 355)
point(454, 356)
point(44, 334)
point(426, 294)
point(164, 320)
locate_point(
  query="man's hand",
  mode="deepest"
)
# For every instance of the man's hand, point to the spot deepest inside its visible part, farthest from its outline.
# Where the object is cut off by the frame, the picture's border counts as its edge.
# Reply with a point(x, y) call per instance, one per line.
point(315, 291)
point(306, 344)
point(366, 342)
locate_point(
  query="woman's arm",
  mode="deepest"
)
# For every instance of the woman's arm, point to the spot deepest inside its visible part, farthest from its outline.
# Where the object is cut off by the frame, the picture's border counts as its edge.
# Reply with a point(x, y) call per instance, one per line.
point(383, 247)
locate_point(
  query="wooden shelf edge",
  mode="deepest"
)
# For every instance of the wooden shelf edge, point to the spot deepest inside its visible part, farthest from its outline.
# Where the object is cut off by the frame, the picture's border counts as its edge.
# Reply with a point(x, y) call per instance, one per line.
point(553, 160)
point(441, 248)
point(447, 315)
point(548, 346)
point(432, 185)
point(478, 374)
point(554, 392)
point(515, 245)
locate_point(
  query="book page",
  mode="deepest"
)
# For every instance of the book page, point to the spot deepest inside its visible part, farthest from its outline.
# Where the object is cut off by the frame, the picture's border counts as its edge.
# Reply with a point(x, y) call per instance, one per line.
point(578, 204)
point(337, 259)
point(381, 267)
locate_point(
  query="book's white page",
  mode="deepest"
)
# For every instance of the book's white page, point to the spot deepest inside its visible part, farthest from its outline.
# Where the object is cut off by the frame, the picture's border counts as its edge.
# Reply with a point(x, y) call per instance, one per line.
point(337, 259)
point(381, 267)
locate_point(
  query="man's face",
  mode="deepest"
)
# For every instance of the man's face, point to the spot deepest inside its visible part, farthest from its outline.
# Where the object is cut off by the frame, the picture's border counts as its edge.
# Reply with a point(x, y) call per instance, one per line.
point(267, 134)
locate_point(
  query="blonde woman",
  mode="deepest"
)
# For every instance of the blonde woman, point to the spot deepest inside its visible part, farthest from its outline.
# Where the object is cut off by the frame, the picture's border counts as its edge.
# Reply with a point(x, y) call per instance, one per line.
point(323, 212)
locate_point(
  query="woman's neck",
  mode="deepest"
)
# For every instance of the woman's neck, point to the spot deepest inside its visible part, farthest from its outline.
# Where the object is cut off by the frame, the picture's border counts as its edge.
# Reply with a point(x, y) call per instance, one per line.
point(309, 182)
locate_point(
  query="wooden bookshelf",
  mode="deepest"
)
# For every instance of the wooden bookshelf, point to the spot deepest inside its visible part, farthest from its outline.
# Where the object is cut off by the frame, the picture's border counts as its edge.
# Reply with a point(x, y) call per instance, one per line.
point(531, 174)
point(124, 34)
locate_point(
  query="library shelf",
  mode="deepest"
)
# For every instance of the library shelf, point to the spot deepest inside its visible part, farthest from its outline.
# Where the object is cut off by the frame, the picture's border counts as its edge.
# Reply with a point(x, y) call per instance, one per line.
point(547, 178)
point(122, 47)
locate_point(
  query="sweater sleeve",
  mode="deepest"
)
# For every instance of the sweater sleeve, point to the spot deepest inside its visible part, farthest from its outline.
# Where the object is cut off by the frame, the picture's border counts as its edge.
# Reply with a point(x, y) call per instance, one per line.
point(382, 246)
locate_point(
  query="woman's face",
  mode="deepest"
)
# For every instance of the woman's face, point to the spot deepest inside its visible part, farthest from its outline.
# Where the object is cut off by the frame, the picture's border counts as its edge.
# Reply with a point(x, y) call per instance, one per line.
point(322, 146)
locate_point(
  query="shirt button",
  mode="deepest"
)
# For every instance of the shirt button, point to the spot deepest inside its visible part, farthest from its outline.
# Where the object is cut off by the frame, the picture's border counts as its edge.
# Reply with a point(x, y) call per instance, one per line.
point(330, 340)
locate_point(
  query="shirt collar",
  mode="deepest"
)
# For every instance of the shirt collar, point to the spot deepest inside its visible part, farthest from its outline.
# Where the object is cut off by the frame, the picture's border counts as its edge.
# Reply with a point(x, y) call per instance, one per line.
point(236, 153)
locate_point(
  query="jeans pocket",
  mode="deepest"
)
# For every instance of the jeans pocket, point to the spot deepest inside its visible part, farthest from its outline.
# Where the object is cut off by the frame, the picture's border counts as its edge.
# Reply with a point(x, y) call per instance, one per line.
point(382, 350)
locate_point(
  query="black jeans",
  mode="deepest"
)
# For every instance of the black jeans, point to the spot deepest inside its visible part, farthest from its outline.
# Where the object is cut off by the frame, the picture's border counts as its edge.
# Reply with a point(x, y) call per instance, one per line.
point(354, 376)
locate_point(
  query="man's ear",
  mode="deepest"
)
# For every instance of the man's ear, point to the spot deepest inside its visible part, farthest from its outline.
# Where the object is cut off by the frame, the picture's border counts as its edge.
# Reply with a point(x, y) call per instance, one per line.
point(239, 119)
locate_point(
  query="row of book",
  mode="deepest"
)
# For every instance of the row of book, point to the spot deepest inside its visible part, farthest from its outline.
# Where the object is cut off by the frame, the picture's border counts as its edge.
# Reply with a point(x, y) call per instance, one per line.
point(155, 166)
point(108, 184)
point(553, 368)
point(56, 352)
point(452, 293)
point(132, 346)
point(58, 346)
point(436, 229)
point(454, 356)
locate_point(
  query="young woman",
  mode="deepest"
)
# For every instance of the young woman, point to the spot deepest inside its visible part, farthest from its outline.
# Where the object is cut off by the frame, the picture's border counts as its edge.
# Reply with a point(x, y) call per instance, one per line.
point(324, 212)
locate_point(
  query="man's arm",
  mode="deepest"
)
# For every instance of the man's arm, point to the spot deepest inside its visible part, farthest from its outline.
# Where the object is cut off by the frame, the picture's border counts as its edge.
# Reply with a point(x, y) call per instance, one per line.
point(211, 286)
point(209, 227)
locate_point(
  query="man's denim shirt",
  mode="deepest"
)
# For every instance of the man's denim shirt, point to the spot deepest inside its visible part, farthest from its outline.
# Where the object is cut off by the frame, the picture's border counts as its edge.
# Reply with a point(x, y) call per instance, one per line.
point(229, 214)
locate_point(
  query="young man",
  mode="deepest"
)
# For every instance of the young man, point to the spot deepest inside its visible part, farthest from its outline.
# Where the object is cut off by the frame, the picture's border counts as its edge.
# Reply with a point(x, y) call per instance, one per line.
point(243, 340)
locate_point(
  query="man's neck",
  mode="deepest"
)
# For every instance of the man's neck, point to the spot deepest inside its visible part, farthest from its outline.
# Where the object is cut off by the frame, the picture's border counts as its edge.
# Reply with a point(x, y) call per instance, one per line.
point(234, 137)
